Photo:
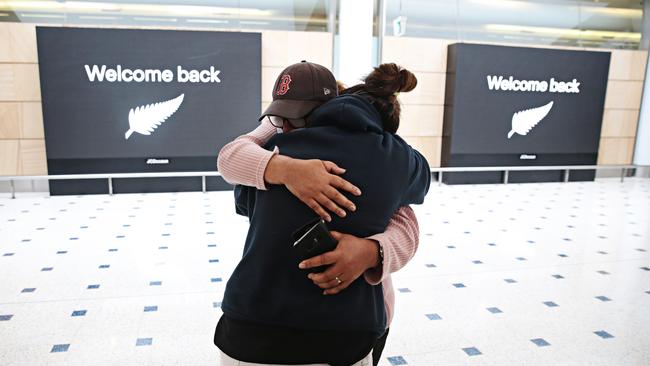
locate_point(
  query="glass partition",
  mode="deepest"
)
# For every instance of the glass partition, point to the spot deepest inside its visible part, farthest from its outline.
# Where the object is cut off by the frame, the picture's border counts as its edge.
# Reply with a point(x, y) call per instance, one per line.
point(299, 15)
point(598, 24)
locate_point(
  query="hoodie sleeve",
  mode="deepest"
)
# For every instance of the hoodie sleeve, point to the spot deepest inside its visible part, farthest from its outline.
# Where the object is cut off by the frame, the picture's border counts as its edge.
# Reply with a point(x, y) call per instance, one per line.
point(419, 179)
point(244, 200)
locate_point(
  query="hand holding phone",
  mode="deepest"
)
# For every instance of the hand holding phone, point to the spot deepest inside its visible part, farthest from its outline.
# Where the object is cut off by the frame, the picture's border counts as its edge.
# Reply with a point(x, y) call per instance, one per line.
point(311, 240)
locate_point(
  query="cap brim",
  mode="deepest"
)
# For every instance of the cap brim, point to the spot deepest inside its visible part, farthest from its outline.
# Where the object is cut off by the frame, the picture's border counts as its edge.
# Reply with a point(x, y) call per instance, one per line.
point(290, 108)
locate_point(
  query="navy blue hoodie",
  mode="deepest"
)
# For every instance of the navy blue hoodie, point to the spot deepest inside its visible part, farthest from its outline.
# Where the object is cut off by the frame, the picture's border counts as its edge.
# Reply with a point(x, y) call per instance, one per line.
point(267, 286)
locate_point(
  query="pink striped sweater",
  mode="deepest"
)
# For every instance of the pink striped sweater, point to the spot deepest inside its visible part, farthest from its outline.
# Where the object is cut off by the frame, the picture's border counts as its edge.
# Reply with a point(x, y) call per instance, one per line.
point(243, 161)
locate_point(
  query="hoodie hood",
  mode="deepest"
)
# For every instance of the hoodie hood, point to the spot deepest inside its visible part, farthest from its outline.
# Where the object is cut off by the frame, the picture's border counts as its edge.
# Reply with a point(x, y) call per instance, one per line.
point(348, 112)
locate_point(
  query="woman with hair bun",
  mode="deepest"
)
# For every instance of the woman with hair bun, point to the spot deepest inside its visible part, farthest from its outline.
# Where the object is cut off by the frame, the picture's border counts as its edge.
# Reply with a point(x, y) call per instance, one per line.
point(382, 86)
point(275, 312)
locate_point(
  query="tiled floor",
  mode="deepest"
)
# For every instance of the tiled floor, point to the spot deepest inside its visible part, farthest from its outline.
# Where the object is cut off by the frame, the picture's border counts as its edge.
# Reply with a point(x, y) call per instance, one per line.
point(533, 274)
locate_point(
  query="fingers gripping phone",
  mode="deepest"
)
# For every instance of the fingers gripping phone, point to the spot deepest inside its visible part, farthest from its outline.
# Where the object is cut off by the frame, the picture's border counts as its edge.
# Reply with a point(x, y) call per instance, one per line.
point(311, 240)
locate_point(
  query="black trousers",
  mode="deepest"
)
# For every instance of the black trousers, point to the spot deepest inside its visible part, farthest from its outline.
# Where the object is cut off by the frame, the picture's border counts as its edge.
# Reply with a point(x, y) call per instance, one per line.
point(379, 348)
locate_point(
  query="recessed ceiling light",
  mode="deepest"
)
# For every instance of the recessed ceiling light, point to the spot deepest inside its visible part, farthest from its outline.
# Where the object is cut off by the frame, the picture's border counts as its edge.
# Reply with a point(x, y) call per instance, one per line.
point(253, 22)
point(97, 17)
point(563, 32)
point(136, 8)
point(150, 19)
point(501, 3)
point(37, 15)
point(212, 21)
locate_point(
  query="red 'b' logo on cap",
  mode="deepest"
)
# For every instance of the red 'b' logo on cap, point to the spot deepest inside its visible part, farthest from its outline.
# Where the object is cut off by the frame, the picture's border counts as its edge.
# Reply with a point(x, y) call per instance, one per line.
point(283, 88)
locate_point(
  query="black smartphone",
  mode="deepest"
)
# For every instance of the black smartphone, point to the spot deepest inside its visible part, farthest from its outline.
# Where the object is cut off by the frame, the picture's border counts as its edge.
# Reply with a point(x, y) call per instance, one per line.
point(311, 240)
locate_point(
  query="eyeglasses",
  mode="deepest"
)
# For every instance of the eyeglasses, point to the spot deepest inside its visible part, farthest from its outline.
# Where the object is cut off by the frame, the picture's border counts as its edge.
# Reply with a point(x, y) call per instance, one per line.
point(278, 121)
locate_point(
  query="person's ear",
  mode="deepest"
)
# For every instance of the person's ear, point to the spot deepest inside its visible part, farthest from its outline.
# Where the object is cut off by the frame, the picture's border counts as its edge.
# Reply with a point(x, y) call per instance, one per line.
point(287, 127)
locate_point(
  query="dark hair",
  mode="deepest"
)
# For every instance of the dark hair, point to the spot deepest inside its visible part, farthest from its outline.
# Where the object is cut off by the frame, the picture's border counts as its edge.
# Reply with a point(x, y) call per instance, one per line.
point(381, 86)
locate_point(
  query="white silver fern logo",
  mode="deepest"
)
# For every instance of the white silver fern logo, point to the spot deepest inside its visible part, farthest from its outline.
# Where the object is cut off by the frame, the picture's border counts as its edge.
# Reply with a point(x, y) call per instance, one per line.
point(524, 121)
point(146, 118)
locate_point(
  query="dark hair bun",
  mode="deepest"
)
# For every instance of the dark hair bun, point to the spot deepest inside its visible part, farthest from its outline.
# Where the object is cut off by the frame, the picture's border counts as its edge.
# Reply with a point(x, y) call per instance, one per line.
point(381, 85)
point(408, 81)
point(387, 79)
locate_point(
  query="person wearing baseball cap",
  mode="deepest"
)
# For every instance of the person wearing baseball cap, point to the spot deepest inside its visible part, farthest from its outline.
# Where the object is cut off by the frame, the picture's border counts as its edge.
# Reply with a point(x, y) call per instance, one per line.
point(245, 332)
point(298, 90)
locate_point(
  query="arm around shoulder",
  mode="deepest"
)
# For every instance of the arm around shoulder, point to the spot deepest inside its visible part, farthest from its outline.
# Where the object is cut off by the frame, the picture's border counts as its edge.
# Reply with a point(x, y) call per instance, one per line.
point(243, 160)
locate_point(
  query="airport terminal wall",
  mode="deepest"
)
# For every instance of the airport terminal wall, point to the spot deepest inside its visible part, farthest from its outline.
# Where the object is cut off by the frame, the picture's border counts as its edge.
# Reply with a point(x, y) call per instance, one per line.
point(22, 137)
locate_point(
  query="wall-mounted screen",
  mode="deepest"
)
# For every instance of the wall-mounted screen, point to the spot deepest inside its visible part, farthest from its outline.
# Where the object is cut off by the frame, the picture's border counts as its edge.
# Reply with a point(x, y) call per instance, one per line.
point(132, 100)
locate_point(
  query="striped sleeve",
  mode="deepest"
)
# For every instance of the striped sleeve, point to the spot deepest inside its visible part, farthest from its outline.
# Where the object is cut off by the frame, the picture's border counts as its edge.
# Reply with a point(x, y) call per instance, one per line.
point(243, 160)
point(399, 243)
point(389, 299)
